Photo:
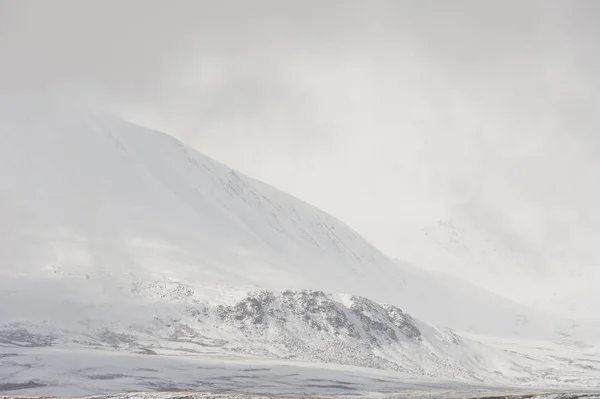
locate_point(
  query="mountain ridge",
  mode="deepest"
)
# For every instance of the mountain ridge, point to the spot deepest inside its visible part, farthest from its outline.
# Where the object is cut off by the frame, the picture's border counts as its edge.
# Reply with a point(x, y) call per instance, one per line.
point(116, 193)
point(111, 229)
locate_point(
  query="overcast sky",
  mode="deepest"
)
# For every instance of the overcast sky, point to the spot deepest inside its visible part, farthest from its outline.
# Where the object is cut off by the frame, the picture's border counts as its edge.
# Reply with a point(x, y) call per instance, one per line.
point(388, 114)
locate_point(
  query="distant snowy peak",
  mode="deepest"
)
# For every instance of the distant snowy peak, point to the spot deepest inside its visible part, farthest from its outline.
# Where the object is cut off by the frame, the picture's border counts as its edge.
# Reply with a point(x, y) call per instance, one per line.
point(509, 265)
point(496, 261)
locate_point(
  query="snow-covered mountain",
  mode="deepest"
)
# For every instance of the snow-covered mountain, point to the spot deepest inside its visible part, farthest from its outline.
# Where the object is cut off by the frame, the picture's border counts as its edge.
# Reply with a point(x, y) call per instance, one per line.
point(88, 195)
point(555, 278)
point(91, 193)
point(117, 236)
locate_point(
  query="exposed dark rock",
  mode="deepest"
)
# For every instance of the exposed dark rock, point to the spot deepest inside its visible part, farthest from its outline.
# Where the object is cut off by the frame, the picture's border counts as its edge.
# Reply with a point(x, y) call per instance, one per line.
point(404, 322)
point(116, 339)
point(21, 337)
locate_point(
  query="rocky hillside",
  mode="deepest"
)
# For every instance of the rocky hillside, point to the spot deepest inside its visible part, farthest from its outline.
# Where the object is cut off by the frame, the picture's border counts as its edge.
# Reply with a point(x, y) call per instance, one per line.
point(301, 324)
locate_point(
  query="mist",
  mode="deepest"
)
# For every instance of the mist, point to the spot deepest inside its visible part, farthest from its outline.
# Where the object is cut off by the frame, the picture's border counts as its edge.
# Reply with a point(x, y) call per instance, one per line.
point(391, 115)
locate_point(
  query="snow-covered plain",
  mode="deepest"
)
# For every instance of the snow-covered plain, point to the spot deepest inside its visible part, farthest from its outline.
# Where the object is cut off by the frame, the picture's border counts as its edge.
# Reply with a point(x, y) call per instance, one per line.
point(120, 245)
point(86, 372)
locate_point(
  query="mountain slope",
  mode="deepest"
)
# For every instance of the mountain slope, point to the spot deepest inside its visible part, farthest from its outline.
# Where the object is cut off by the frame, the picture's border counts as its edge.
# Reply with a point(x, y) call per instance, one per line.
point(87, 193)
point(118, 236)
point(90, 194)
point(556, 277)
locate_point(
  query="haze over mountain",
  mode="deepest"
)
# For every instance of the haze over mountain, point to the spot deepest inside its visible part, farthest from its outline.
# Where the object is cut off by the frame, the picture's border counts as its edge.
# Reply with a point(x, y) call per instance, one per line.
point(422, 203)
point(479, 116)
point(86, 193)
point(117, 237)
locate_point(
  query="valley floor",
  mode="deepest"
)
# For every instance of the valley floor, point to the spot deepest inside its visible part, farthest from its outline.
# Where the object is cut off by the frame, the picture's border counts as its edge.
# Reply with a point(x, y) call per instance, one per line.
point(212, 395)
point(64, 372)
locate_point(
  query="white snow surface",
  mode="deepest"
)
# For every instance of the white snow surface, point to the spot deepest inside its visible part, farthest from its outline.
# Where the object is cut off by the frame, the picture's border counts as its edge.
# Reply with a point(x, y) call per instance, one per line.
point(121, 238)
point(475, 245)
point(93, 197)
